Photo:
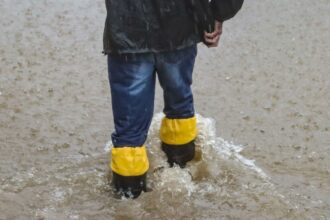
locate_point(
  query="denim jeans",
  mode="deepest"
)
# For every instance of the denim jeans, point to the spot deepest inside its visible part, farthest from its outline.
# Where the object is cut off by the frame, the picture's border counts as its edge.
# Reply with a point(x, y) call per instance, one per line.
point(132, 80)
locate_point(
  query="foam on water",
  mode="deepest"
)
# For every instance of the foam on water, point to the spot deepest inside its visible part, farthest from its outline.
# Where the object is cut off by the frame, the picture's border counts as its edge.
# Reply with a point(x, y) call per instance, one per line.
point(221, 179)
point(226, 149)
point(220, 172)
point(206, 138)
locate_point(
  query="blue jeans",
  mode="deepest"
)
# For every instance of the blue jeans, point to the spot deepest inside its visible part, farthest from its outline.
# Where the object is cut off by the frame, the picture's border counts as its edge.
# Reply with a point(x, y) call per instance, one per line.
point(132, 80)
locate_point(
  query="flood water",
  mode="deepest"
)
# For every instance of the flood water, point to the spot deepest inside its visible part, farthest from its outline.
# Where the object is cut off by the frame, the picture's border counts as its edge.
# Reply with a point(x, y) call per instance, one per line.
point(263, 103)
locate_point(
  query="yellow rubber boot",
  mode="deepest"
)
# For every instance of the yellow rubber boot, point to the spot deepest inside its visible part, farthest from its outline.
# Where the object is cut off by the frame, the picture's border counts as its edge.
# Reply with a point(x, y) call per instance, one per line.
point(129, 166)
point(178, 140)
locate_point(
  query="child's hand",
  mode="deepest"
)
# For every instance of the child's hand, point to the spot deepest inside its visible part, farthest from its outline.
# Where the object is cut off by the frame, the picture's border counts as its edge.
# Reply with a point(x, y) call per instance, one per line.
point(212, 39)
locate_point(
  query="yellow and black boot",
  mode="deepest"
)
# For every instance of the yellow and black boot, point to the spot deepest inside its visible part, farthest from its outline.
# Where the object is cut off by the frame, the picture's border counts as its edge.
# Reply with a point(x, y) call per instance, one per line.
point(178, 139)
point(129, 166)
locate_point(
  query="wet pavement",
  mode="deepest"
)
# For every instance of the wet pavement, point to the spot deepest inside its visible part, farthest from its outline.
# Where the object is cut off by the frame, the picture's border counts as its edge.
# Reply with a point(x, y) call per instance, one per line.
point(264, 118)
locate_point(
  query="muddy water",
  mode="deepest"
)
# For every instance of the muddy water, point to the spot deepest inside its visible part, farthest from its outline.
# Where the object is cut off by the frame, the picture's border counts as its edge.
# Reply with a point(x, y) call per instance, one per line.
point(264, 141)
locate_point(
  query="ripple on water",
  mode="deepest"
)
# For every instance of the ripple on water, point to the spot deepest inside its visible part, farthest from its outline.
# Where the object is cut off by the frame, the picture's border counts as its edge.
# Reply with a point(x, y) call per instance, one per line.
point(218, 183)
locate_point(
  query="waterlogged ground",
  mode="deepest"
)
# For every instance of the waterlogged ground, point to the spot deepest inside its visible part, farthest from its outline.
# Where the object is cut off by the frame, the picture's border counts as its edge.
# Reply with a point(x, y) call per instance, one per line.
point(263, 99)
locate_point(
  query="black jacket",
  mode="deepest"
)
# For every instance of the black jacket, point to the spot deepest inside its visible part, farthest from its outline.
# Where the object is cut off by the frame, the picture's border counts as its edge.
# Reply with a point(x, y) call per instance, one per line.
point(137, 26)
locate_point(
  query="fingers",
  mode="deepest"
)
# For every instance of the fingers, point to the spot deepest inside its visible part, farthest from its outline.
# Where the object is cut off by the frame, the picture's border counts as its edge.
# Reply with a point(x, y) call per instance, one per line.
point(212, 42)
point(212, 35)
point(211, 39)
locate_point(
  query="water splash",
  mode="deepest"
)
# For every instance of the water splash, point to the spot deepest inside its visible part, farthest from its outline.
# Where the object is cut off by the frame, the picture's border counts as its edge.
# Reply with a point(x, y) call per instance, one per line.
point(221, 179)
point(206, 139)
point(225, 149)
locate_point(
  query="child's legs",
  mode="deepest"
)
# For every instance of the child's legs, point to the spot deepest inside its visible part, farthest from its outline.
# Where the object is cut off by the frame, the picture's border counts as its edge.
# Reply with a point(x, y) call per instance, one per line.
point(132, 83)
point(178, 130)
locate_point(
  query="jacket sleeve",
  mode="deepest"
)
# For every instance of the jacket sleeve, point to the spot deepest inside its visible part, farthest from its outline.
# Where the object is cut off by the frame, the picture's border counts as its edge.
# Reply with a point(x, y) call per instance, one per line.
point(225, 9)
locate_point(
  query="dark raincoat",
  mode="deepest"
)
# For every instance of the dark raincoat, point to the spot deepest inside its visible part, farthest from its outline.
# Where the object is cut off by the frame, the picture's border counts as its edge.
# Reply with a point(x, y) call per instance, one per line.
point(137, 26)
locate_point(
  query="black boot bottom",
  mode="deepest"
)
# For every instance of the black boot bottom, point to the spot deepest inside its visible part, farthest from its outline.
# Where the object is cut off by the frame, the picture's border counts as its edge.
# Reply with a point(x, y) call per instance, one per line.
point(179, 154)
point(129, 186)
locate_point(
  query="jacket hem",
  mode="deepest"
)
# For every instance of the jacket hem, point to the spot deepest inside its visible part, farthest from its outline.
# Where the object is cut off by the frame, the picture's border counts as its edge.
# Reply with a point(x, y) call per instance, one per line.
point(149, 50)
